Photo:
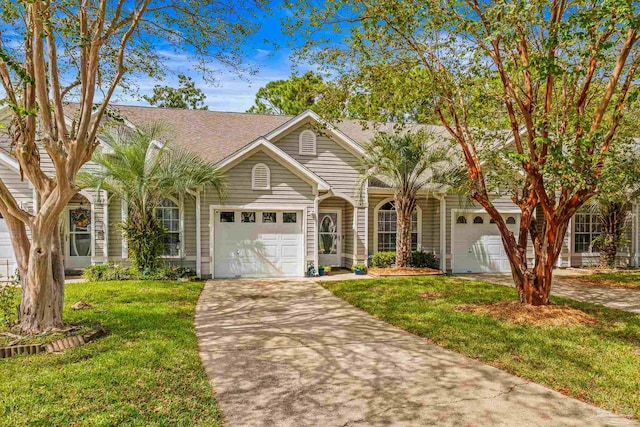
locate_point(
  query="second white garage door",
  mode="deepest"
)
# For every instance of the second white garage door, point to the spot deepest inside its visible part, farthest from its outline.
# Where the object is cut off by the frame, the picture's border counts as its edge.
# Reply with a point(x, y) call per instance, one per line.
point(477, 244)
point(254, 243)
point(7, 258)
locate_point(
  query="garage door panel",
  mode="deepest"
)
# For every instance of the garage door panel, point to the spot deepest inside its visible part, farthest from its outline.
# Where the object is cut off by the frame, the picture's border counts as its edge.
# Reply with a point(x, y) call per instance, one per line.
point(257, 249)
point(478, 247)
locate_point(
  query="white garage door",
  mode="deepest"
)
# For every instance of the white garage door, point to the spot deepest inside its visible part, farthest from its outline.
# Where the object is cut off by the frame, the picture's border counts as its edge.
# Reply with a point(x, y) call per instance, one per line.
point(477, 244)
point(250, 243)
point(7, 259)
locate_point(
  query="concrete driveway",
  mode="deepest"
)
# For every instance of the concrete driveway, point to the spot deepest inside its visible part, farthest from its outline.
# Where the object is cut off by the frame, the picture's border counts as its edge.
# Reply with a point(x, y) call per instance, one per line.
point(289, 353)
point(565, 285)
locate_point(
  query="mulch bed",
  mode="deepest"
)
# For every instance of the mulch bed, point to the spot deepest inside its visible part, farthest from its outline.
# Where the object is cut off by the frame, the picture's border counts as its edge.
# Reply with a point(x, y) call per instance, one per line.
point(403, 271)
point(517, 313)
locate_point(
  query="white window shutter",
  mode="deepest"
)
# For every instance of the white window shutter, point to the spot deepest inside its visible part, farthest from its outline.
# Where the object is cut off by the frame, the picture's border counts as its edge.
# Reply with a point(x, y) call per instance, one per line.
point(260, 177)
point(307, 142)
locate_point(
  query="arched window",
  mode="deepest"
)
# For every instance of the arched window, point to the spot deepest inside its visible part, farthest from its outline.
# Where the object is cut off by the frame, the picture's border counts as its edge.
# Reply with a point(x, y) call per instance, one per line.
point(511, 220)
point(307, 143)
point(260, 177)
point(461, 220)
point(168, 213)
point(492, 221)
point(387, 225)
point(478, 220)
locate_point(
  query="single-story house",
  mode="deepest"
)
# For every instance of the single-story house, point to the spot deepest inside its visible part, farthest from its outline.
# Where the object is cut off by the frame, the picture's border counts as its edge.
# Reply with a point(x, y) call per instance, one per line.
point(292, 202)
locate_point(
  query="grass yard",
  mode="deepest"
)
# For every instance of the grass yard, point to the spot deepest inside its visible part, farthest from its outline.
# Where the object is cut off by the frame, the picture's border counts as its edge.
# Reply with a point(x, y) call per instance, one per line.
point(628, 280)
point(145, 372)
point(596, 363)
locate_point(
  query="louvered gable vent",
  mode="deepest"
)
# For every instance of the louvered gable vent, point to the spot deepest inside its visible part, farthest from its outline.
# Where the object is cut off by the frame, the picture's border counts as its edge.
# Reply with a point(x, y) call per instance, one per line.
point(307, 142)
point(260, 177)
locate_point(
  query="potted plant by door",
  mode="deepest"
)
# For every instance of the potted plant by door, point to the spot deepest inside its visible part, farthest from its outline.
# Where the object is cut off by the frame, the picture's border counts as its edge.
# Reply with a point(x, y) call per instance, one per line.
point(359, 269)
point(321, 270)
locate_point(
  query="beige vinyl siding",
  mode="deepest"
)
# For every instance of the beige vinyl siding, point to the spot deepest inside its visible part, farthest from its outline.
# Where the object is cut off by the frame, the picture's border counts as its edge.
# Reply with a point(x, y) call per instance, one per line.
point(332, 162)
point(20, 189)
point(115, 232)
point(361, 226)
point(287, 189)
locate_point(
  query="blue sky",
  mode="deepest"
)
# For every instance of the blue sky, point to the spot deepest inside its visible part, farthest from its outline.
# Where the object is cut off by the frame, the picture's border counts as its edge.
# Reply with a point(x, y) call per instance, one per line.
point(267, 51)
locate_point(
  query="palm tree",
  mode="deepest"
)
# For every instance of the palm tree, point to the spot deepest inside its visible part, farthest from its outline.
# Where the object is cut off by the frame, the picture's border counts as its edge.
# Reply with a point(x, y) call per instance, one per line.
point(406, 163)
point(619, 186)
point(140, 169)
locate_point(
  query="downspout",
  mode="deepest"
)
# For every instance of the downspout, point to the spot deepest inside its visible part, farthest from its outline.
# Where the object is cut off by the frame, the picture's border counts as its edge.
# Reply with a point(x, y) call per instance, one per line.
point(124, 214)
point(637, 235)
point(316, 215)
point(443, 230)
point(196, 194)
point(105, 207)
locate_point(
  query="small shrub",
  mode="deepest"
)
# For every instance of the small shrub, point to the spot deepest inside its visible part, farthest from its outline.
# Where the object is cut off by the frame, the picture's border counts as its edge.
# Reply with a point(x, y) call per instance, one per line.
point(110, 271)
point(422, 259)
point(95, 273)
point(383, 259)
point(8, 304)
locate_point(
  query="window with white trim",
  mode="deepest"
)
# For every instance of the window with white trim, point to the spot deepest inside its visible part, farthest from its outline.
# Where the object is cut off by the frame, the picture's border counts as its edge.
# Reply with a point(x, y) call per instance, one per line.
point(260, 177)
point(307, 143)
point(387, 228)
point(168, 213)
point(587, 229)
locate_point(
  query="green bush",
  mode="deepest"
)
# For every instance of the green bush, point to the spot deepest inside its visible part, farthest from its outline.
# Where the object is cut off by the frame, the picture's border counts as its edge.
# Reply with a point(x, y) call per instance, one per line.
point(110, 271)
point(422, 259)
point(8, 304)
point(383, 259)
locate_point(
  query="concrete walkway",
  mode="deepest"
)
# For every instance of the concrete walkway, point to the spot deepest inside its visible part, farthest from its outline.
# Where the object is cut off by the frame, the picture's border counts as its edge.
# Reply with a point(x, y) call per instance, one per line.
point(289, 353)
point(564, 285)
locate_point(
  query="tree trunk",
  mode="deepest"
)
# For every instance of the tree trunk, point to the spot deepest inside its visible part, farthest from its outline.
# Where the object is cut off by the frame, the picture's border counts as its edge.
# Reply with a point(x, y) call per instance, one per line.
point(534, 284)
point(404, 211)
point(613, 217)
point(608, 250)
point(43, 288)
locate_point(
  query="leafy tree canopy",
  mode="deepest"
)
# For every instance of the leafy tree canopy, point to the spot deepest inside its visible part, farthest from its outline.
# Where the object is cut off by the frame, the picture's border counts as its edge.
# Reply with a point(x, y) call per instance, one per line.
point(291, 96)
point(186, 95)
point(541, 86)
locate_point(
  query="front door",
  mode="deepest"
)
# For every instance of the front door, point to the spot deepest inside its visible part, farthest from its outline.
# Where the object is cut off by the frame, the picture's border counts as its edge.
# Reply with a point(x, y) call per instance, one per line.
point(329, 238)
point(78, 237)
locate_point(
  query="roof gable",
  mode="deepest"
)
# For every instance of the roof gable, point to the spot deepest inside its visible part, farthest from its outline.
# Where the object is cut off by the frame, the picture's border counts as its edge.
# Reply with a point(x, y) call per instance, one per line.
point(262, 144)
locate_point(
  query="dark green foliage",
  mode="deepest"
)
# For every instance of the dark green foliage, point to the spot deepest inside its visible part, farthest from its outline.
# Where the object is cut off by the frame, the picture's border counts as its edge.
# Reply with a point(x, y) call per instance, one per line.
point(8, 303)
point(145, 241)
point(108, 272)
point(383, 259)
point(291, 96)
point(187, 95)
point(422, 259)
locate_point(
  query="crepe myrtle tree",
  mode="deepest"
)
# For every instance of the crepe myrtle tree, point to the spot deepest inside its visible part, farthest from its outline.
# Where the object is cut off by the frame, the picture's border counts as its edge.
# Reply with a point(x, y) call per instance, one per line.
point(408, 163)
point(565, 71)
point(56, 51)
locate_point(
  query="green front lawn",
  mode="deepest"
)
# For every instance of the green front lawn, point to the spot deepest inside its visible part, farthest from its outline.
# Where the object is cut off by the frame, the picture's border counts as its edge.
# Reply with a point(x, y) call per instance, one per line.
point(630, 280)
point(596, 363)
point(145, 372)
